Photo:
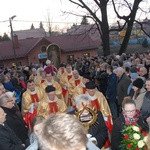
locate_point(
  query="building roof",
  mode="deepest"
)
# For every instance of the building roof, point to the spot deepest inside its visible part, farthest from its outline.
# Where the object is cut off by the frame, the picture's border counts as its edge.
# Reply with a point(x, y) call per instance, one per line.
point(34, 33)
point(67, 43)
point(74, 42)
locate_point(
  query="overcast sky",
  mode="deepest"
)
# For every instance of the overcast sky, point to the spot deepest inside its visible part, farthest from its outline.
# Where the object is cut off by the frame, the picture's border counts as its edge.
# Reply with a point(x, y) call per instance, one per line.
point(34, 11)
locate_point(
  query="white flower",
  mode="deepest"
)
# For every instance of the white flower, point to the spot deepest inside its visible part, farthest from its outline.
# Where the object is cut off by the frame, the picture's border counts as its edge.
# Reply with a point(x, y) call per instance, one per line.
point(145, 139)
point(136, 136)
point(135, 128)
point(141, 144)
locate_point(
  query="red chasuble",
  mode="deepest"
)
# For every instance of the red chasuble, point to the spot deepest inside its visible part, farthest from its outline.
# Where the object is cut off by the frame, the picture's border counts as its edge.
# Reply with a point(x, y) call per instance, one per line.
point(64, 92)
point(34, 98)
point(53, 107)
point(77, 82)
point(42, 81)
point(84, 90)
point(69, 77)
point(95, 104)
point(29, 116)
point(62, 71)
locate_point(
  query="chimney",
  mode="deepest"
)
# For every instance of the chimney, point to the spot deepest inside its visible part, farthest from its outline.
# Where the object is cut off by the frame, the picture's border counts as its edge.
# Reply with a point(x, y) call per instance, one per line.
point(16, 42)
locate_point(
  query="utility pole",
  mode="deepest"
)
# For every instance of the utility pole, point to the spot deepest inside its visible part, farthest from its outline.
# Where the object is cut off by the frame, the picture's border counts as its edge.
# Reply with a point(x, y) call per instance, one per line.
point(12, 38)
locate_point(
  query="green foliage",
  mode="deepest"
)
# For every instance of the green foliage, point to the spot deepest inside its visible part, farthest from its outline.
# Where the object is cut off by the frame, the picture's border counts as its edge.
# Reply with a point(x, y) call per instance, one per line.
point(5, 37)
point(41, 25)
point(133, 138)
point(84, 20)
point(32, 26)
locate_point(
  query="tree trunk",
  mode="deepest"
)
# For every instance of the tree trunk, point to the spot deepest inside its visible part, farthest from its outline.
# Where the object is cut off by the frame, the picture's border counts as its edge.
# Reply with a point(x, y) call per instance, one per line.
point(105, 30)
point(129, 27)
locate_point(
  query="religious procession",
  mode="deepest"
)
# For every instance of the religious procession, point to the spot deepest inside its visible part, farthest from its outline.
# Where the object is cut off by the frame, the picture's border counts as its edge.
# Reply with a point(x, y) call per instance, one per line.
point(96, 103)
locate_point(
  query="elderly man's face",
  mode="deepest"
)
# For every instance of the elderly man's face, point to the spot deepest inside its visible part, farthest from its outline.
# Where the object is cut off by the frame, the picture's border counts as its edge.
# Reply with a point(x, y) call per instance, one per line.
point(118, 73)
point(76, 74)
point(91, 92)
point(51, 95)
point(69, 69)
point(82, 104)
point(2, 116)
point(148, 85)
point(2, 90)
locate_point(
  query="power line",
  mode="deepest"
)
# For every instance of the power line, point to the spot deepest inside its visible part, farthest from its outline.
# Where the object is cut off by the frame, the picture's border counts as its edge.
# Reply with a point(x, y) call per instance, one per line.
point(35, 21)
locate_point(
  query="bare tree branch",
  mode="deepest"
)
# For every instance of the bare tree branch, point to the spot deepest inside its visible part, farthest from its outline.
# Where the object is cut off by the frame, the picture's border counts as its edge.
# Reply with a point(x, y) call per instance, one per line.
point(119, 27)
point(142, 28)
point(126, 18)
point(77, 3)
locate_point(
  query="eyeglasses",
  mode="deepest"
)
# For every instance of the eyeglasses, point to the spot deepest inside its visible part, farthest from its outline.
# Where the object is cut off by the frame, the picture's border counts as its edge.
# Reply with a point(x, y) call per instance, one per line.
point(10, 101)
point(129, 111)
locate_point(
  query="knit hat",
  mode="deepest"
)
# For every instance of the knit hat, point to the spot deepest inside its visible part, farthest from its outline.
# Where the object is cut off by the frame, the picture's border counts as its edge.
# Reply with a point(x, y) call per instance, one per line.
point(134, 75)
point(138, 83)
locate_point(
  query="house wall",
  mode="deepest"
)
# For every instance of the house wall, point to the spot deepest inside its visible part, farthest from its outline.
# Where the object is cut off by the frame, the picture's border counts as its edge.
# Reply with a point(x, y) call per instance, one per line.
point(32, 56)
point(9, 62)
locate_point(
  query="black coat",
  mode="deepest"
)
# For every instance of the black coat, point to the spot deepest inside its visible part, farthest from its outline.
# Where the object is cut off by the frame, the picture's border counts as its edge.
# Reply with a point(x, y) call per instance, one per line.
point(122, 87)
point(15, 121)
point(9, 140)
point(118, 125)
point(100, 132)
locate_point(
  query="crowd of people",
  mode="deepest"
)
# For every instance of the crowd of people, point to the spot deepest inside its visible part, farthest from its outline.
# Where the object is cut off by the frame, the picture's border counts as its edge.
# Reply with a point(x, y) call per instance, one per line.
point(39, 103)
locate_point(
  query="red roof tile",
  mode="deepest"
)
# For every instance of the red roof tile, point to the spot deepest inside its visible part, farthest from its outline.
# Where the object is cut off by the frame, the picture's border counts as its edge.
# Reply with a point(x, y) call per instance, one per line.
point(65, 42)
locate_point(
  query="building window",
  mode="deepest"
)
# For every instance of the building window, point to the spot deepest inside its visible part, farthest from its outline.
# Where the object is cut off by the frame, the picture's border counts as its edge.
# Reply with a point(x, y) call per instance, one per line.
point(86, 54)
point(43, 49)
point(70, 59)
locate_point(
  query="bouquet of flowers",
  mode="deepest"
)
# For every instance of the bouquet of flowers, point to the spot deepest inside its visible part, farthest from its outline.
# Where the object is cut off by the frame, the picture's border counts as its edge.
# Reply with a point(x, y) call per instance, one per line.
point(133, 138)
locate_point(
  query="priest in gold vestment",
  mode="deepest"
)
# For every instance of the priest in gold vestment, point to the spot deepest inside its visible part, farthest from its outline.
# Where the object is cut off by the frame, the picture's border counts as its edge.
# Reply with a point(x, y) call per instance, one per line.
point(74, 81)
point(51, 104)
point(64, 82)
point(49, 81)
point(41, 78)
point(61, 72)
point(99, 102)
point(81, 88)
point(30, 101)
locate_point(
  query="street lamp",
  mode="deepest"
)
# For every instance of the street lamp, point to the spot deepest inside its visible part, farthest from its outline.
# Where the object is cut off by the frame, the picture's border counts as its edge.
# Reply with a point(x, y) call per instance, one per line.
point(12, 37)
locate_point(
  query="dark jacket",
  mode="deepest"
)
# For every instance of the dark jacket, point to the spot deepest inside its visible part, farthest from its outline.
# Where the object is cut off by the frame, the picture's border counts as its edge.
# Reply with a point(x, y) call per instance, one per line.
point(9, 140)
point(111, 91)
point(122, 87)
point(99, 131)
point(16, 123)
point(145, 109)
point(118, 125)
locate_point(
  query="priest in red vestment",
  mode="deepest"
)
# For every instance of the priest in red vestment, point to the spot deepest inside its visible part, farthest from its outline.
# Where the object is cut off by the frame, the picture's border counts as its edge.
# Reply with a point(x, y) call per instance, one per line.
point(51, 104)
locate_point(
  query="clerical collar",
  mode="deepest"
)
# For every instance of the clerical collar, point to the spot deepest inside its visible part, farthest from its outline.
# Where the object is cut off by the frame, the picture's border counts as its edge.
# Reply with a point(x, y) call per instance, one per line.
point(33, 92)
point(77, 79)
point(51, 101)
point(49, 83)
point(69, 74)
point(83, 85)
point(91, 97)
